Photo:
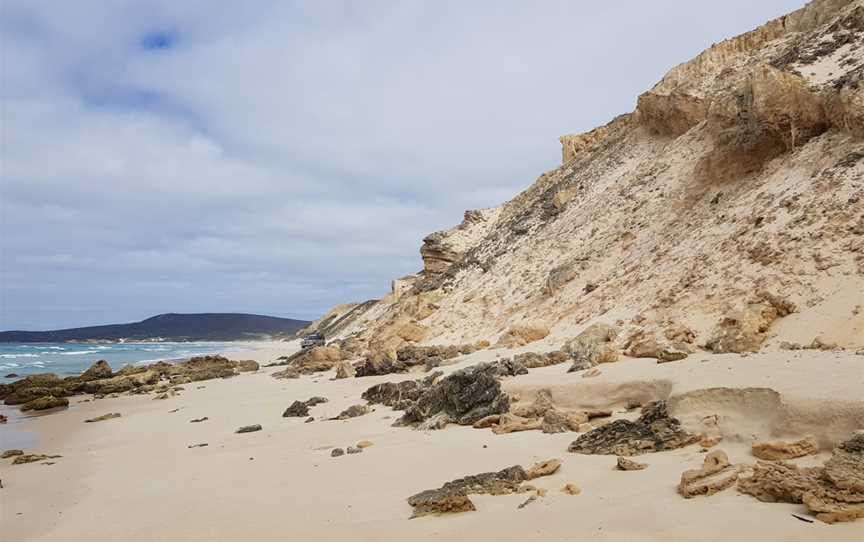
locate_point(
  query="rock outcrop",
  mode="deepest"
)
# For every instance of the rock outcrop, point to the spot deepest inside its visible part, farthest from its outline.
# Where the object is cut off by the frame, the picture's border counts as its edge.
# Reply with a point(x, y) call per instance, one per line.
point(833, 492)
point(778, 449)
point(653, 431)
point(462, 397)
point(453, 496)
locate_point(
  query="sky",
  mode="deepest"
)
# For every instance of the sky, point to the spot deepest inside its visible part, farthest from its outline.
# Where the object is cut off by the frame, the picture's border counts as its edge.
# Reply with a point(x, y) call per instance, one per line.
point(279, 157)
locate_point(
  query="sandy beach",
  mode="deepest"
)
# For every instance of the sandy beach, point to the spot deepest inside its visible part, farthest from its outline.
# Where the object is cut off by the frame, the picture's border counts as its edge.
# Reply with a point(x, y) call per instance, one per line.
point(135, 478)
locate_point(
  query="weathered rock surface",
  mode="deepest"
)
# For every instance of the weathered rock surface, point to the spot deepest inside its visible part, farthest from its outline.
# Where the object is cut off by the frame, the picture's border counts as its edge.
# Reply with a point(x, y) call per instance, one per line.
point(100, 369)
point(522, 335)
point(532, 360)
point(297, 409)
point(594, 345)
point(778, 449)
point(300, 409)
point(747, 329)
point(653, 431)
point(310, 360)
point(248, 429)
point(648, 346)
point(399, 395)
point(453, 497)
point(462, 397)
point(833, 492)
point(45, 402)
point(715, 475)
point(11, 453)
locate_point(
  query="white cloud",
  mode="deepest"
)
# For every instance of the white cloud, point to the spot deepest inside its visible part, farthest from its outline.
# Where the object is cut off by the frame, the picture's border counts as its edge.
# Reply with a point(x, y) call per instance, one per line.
point(281, 157)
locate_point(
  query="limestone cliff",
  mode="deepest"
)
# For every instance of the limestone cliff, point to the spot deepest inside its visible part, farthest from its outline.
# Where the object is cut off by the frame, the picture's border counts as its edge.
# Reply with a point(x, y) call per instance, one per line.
point(738, 178)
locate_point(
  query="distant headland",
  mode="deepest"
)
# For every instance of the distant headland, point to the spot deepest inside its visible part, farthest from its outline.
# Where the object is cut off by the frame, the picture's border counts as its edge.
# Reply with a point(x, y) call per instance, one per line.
point(171, 327)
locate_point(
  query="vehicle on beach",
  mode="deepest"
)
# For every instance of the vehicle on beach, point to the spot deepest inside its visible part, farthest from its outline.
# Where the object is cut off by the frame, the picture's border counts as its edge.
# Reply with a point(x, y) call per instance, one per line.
point(313, 339)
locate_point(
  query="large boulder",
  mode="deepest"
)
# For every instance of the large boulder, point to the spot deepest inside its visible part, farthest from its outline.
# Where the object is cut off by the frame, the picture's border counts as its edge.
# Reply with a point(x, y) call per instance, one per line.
point(463, 397)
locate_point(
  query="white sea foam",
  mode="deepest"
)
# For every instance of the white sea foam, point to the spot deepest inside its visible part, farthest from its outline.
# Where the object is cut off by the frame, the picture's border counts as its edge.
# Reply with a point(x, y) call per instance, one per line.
point(13, 356)
point(78, 353)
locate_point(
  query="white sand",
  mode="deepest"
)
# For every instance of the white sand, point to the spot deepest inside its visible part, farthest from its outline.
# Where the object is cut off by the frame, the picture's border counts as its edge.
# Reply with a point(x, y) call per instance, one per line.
point(134, 479)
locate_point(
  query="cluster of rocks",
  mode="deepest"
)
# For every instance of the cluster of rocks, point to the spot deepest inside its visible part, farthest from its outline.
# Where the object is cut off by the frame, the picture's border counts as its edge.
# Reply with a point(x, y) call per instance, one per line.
point(20, 458)
point(653, 431)
point(428, 357)
point(453, 496)
point(47, 390)
point(833, 492)
point(540, 415)
point(351, 450)
point(463, 397)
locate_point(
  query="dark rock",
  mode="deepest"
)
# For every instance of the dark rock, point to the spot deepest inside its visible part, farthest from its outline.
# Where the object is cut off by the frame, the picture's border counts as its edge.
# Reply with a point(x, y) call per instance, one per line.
point(249, 429)
point(353, 412)
point(510, 367)
point(463, 397)
point(11, 453)
point(378, 367)
point(315, 401)
point(298, 409)
point(32, 458)
point(336, 452)
point(201, 445)
point(653, 431)
point(399, 395)
point(103, 417)
point(199, 420)
point(12, 375)
point(353, 450)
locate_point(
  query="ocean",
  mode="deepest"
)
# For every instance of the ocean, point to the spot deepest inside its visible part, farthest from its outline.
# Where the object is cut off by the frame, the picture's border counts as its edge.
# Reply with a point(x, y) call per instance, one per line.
point(68, 359)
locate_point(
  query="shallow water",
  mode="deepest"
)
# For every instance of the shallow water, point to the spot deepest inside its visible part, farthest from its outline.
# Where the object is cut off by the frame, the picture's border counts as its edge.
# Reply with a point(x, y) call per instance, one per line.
point(66, 359)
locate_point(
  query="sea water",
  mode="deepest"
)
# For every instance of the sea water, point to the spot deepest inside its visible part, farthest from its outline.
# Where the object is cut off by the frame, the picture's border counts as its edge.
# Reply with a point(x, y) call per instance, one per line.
point(69, 359)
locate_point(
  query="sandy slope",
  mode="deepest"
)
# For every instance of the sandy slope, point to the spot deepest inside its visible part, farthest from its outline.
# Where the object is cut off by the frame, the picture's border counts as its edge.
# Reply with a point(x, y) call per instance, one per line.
point(134, 478)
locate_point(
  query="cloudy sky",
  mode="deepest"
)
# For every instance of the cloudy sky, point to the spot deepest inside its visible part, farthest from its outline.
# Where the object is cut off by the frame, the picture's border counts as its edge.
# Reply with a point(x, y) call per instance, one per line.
point(280, 157)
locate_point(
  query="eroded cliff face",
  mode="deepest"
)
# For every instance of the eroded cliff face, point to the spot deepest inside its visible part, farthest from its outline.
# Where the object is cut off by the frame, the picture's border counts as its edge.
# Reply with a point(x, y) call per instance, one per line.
point(739, 175)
